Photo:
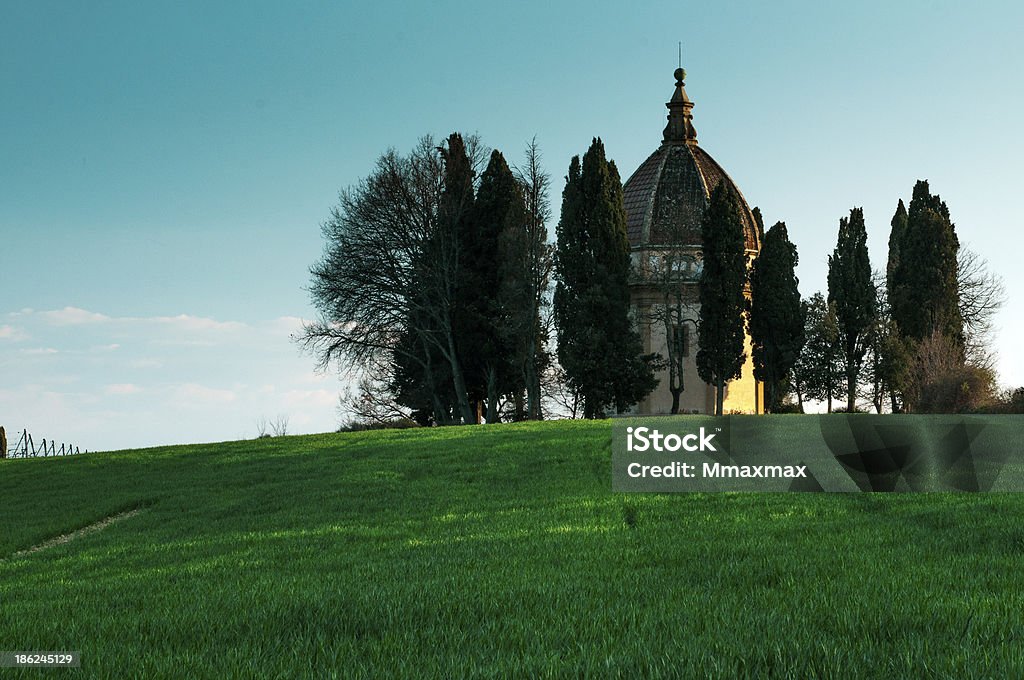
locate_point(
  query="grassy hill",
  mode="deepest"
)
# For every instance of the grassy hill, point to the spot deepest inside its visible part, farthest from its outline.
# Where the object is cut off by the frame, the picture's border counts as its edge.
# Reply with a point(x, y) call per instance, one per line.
point(496, 550)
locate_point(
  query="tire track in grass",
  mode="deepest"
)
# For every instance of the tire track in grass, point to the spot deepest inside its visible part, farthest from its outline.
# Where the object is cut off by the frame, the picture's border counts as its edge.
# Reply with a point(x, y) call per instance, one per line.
point(78, 533)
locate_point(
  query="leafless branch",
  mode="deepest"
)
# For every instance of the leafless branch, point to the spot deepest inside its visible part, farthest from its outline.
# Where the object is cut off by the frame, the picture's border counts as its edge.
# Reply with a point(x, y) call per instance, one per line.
point(981, 295)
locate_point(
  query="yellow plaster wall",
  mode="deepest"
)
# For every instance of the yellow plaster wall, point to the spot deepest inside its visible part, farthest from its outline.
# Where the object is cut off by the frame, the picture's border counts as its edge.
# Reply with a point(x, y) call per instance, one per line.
point(744, 395)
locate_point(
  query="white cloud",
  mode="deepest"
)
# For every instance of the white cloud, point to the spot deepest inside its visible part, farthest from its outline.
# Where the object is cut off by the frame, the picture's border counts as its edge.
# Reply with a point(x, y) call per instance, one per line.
point(39, 351)
point(184, 343)
point(72, 316)
point(317, 378)
point(194, 394)
point(8, 332)
point(286, 325)
point(101, 380)
point(122, 388)
point(187, 322)
point(300, 399)
point(69, 316)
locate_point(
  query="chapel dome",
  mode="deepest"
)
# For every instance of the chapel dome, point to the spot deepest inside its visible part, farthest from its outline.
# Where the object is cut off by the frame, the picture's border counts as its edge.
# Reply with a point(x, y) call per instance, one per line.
point(665, 199)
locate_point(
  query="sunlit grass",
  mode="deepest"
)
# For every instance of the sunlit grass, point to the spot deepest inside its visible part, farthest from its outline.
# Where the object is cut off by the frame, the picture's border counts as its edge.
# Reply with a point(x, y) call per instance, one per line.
point(496, 550)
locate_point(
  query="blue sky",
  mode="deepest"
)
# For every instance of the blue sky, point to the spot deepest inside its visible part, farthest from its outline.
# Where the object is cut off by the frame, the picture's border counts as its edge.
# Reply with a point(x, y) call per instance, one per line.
point(165, 167)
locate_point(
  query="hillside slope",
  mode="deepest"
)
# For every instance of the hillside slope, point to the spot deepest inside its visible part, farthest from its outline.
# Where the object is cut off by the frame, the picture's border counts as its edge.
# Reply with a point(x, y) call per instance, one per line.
point(491, 550)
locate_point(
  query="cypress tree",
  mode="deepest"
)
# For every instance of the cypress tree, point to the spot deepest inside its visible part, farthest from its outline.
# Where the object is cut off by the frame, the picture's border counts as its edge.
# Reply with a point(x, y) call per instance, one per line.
point(444, 259)
point(722, 302)
point(896, 236)
point(924, 296)
point(598, 346)
point(486, 302)
point(819, 368)
point(759, 223)
point(573, 275)
point(776, 313)
point(852, 292)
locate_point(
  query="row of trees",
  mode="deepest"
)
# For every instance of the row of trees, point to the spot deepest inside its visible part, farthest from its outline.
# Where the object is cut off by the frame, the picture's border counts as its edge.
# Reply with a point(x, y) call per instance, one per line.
point(914, 338)
point(436, 284)
point(433, 283)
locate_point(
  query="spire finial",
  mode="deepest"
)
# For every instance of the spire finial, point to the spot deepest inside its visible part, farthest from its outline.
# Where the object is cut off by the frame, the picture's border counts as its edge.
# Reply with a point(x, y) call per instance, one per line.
point(680, 128)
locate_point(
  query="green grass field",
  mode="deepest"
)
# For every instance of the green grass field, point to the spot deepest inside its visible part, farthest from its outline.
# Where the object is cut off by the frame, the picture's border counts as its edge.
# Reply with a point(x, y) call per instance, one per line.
point(486, 551)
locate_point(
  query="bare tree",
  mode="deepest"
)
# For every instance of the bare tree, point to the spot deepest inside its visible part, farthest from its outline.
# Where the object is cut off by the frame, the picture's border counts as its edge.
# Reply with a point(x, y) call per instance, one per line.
point(560, 399)
point(261, 428)
point(669, 276)
point(940, 382)
point(538, 259)
point(279, 426)
point(372, 402)
point(981, 295)
point(390, 269)
point(875, 384)
point(671, 273)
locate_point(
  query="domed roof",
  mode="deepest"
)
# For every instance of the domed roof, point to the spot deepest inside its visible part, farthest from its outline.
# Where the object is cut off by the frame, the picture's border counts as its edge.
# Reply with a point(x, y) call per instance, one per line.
point(665, 199)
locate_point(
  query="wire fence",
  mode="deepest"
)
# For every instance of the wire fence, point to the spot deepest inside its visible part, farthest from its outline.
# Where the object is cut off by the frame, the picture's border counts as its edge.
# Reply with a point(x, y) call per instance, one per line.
point(27, 448)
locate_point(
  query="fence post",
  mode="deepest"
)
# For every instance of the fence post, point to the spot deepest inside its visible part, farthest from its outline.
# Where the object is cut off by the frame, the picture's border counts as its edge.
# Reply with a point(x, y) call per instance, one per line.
point(26, 447)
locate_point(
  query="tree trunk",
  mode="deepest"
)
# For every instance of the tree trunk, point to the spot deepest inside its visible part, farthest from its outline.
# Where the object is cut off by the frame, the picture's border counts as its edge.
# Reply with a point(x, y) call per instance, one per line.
point(533, 396)
point(673, 346)
point(851, 377)
point(519, 406)
point(830, 389)
point(878, 391)
point(532, 379)
point(442, 415)
point(459, 383)
point(720, 398)
point(492, 395)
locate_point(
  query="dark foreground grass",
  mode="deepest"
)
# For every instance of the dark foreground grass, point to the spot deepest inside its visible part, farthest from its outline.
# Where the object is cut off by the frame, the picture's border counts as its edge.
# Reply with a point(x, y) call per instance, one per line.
point(490, 551)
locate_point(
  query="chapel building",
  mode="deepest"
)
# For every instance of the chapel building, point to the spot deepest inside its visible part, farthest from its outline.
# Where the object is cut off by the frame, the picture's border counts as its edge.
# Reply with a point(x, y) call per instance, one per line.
point(665, 201)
